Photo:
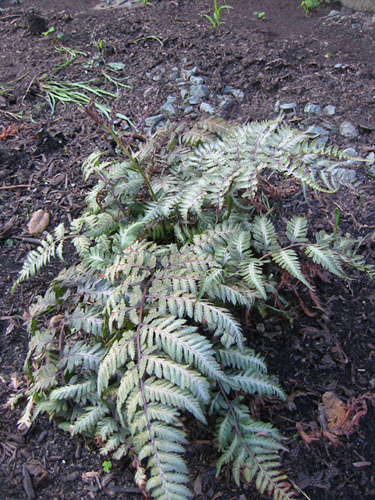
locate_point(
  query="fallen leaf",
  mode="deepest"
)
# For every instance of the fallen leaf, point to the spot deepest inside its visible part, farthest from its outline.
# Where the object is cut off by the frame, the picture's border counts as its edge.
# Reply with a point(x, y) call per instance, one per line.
point(39, 221)
point(336, 413)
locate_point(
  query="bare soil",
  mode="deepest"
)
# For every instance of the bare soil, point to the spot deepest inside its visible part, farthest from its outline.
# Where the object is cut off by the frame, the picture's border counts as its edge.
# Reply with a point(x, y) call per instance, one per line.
point(287, 57)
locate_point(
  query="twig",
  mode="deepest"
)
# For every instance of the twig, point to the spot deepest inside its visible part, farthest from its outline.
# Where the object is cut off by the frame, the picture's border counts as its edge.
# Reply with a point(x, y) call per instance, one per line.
point(3, 188)
point(35, 241)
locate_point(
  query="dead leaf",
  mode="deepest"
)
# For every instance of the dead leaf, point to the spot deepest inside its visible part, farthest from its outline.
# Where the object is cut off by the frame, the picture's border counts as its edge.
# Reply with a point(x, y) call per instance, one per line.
point(56, 321)
point(335, 412)
point(39, 221)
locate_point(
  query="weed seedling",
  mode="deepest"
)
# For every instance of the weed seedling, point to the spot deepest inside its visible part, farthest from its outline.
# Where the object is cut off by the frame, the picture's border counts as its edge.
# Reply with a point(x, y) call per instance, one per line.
point(107, 465)
point(310, 4)
point(215, 18)
point(260, 15)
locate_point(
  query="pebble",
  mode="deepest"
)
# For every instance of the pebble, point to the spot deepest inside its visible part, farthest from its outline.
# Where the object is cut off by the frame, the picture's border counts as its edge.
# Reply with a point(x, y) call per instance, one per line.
point(225, 102)
point(168, 109)
point(197, 92)
point(371, 157)
point(152, 121)
point(196, 80)
point(312, 108)
point(333, 13)
point(206, 108)
point(329, 110)
point(187, 73)
point(350, 152)
point(348, 130)
point(237, 93)
point(288, 106)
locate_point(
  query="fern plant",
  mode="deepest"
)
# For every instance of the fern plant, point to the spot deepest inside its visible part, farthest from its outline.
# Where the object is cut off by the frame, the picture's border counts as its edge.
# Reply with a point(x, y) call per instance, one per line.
point(142, 330)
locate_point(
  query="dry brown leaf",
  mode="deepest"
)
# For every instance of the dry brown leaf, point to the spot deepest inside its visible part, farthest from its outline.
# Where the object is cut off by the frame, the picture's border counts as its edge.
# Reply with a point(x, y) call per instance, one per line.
point(335, 412)
point(39, 221)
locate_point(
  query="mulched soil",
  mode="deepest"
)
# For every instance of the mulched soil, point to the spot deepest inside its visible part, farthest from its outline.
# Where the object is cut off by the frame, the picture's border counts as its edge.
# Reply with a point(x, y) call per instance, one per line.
point(287, 57)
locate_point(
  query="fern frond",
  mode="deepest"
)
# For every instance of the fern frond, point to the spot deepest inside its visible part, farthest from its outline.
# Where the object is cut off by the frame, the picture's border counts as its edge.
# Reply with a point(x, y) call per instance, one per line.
point(36, 259)
point(88, 421)
point(326, 258)
point(296, 229)
point(252, 273)
point(118, 354)
point(77, 392)
point(264, 234)
point(288, 259)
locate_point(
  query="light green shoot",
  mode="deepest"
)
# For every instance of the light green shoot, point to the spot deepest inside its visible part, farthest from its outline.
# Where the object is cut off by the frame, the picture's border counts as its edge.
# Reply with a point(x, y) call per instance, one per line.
point(310, 4)
point(215, 18)
point(260, 15)
point(107, 465)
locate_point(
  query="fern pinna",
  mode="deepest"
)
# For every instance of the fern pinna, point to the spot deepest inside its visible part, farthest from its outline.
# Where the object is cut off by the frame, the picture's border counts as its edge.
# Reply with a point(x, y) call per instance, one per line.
point(143, 328)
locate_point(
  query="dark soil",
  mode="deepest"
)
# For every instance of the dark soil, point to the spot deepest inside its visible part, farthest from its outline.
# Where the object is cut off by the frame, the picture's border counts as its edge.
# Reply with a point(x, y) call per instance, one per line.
point(287, 57)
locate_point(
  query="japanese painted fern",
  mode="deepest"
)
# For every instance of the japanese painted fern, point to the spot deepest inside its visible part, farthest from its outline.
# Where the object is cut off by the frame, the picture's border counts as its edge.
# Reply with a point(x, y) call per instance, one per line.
point(142, 330)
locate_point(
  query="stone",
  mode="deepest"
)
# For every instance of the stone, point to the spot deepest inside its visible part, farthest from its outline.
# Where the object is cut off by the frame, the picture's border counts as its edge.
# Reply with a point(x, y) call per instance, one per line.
point(329, 110)
point(197, 92)
point(348, 130)
point(168, 108)
point(206, 108)
point(152, 121)
point(196, 80)
point(312, 109)
point(371, 157)
point(288, 106)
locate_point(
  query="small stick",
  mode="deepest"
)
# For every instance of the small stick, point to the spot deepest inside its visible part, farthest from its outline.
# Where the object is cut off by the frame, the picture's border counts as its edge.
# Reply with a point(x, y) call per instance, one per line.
point(2, 188)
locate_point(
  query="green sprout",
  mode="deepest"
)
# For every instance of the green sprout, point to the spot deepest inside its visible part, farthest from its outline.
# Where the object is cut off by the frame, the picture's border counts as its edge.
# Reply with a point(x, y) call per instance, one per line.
point(310, 4)
point(260, 15)
point(107, 465)
point(215, 18)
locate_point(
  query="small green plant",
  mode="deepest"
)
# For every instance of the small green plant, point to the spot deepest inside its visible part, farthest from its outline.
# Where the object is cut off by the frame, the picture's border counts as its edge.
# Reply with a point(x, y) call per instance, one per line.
point(107, 465)
point(177, 237)
point(260, 15)
point(310, 4)
point(215, 18)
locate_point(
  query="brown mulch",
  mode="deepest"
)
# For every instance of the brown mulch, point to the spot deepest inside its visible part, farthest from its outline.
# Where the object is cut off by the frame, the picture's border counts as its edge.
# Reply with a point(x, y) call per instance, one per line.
point(287, 57)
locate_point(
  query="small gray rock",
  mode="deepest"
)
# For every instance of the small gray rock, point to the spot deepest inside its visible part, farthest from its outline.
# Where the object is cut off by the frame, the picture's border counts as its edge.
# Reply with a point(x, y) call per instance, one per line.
point(197, 92)
point(187, 73)
point(288, 106)
point(371, 157)
point(206, 108)
point(312, 108)
point(152, 121)
point(350, 152)
point(168, 108)
point(329, 110)
point(225, 102)
point(338, 65)
point(348, 130)
point(196, 80)
point(188, 109)
point(333, 13)
point(238, 94)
